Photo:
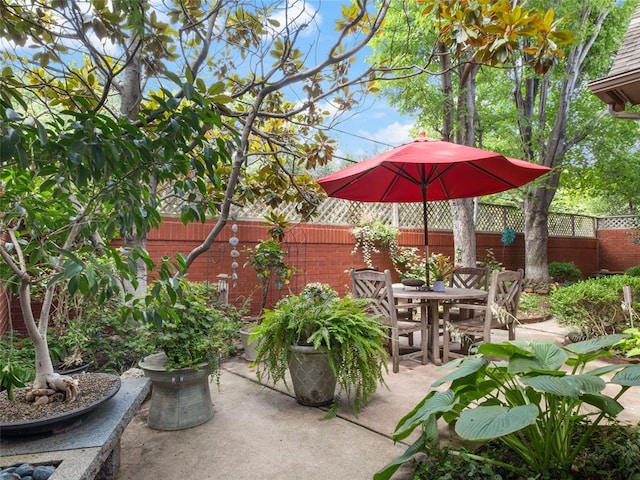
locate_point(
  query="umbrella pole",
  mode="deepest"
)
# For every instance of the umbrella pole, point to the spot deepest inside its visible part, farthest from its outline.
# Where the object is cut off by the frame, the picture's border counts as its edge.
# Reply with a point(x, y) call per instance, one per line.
point(425, 219)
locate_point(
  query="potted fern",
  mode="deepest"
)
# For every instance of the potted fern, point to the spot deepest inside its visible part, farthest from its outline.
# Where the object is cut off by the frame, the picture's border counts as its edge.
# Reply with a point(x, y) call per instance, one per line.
point(324, 341)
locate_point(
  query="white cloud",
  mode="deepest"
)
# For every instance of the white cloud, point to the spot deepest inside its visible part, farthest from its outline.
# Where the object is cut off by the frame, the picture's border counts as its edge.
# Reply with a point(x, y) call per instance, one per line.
point(294, 15)
point(395, 133)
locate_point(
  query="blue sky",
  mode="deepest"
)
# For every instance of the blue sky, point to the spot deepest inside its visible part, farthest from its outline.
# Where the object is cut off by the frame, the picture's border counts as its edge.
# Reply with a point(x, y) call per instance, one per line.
point(374, 126)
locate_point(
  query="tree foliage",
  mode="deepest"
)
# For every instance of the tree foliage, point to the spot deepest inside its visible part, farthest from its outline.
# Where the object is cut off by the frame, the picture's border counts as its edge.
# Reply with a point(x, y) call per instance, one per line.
point(109, 111)
point(533, 102)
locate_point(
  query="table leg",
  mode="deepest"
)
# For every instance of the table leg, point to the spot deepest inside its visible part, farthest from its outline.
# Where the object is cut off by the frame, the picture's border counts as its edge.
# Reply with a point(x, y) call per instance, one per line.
point(434, 323)
point(425, 333)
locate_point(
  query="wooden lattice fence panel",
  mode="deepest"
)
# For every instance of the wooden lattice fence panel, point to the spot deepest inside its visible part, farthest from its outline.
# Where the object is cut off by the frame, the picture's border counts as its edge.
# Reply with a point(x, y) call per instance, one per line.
point(619, 223)
point(495, 218)
point(490, 218)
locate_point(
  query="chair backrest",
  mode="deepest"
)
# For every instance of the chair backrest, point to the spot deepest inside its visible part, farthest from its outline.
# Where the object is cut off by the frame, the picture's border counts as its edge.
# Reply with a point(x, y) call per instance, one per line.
point(470, 277)
point(377, 286)
point(504, 294)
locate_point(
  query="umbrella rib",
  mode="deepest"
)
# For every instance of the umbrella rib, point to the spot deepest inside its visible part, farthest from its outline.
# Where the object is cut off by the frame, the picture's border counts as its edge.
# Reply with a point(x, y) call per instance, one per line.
point(492, 175)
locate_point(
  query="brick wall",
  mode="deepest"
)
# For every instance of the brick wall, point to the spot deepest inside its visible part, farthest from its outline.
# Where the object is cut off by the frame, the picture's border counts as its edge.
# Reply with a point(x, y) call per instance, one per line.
point(322, 253)
point(617, 252)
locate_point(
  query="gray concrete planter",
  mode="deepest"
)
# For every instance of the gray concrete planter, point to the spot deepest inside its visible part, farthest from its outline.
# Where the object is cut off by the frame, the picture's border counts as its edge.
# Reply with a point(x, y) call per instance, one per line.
point(314, 383)
point(179, 398)
point(250, 348)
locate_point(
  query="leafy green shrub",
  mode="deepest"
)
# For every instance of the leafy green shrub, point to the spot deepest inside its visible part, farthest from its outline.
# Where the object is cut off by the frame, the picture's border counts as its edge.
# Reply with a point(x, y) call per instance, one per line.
point(564, 272)
point(16, 359)
point(633, 271)
point(84, 331)
point(491, 261)
point(532, 398)
point(595, 305)
point(194, 329)
point(629, 346)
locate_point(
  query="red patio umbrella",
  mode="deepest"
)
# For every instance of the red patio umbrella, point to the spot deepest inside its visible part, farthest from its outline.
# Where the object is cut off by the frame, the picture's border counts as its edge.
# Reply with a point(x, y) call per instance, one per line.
point(427, 170)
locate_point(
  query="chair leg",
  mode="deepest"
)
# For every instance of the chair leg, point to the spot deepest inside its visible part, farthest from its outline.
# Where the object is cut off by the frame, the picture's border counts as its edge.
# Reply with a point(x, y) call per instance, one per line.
point(395, 350)
point(410, 338)
point(512, 330)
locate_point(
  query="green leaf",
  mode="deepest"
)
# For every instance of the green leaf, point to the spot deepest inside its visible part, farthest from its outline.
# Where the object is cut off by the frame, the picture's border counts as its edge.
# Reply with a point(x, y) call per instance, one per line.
point(387, 472)
point(547, 357)
point(438, 402)
point(568, 386)
point(483, 423)
point(505, 349)
point(606, 404)
point(629, 377)
point(188, 90)
point(468, 367)
point(594, 344)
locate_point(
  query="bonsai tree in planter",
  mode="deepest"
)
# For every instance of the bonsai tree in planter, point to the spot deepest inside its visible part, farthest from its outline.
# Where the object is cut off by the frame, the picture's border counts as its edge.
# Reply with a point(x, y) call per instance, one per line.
point(319, 319)
point(77, 174)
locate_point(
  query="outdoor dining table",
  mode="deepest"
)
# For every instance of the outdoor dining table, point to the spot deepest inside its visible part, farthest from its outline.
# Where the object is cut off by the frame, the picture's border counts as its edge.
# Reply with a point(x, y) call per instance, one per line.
point(430, 302)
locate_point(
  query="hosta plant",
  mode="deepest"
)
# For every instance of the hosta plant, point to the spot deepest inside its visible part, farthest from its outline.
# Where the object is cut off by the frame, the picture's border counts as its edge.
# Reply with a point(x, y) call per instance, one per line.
point(541, 400)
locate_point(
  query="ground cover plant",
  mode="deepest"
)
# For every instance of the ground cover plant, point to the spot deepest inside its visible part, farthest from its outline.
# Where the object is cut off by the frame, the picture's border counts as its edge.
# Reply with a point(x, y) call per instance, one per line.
point(613, 453)
point(594, 306)
point(541, 401)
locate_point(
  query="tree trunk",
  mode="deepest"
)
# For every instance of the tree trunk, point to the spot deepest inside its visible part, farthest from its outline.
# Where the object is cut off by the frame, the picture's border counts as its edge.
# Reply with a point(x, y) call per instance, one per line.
point(131, 97)
point(464, 226)
point(536, 238)
point(551, 153)
point(464, 231)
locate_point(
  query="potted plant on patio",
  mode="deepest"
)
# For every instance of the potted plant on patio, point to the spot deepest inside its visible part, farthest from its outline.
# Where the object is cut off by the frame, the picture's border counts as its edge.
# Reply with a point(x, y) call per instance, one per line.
point(324, 341)
point(192, 335)
point(268, 260)
point(440, 270)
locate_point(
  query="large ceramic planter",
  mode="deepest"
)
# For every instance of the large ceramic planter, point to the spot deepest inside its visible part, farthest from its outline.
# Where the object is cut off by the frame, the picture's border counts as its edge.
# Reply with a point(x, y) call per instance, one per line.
point(314, 382)
point(179, 398)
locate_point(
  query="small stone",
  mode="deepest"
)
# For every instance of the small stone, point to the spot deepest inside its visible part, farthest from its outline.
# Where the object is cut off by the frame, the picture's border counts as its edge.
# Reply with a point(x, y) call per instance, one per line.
point(9, 476)
point(24, 470)
point(43, 472)
point(133, 373)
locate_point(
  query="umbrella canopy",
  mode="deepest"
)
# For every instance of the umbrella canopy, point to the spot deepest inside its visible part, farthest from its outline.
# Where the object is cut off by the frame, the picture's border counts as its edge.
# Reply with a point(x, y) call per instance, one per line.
point(428, 170)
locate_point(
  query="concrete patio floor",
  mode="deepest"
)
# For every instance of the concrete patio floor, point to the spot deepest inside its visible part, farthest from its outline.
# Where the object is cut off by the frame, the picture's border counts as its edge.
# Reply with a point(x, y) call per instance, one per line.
point(259, 432)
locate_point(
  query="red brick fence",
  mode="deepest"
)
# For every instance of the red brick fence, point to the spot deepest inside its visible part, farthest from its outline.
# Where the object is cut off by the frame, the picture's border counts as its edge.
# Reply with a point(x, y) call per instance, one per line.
point(322, 253)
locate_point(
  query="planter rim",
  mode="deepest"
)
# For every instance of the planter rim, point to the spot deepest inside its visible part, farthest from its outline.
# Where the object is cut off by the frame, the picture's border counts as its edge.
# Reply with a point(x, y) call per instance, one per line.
point(309, 349)
point(158, 362)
